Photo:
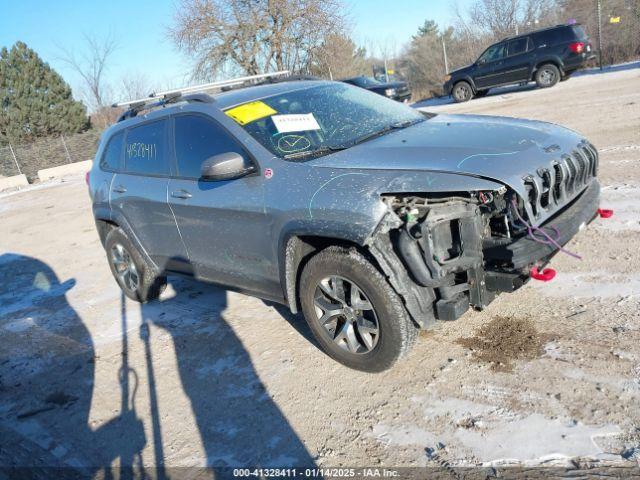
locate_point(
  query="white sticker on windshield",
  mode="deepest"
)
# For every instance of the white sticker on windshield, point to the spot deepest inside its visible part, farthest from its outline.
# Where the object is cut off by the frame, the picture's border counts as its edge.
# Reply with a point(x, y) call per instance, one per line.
point(302, 122)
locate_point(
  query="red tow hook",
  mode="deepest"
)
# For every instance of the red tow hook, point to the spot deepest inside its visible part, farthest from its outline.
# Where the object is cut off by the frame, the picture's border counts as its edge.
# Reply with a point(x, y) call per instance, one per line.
point(605, 213)
point(545, 275)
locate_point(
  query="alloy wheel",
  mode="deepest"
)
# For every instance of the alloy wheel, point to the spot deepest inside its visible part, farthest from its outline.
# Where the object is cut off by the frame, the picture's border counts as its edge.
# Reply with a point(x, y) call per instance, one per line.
point(346, 314)
point(462, 92)
point(124, 267)
point(547, 76)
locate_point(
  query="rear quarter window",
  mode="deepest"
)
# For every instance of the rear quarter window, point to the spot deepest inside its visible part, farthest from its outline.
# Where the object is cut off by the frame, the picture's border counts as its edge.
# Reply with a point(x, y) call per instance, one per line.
point(145, 151)
point(112, 154)
point(556, 36)
point(579, 32)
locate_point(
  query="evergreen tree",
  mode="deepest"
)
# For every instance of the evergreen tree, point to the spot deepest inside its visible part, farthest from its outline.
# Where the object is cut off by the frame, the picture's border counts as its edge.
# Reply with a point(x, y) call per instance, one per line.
point(34, 99)
point(429, 27)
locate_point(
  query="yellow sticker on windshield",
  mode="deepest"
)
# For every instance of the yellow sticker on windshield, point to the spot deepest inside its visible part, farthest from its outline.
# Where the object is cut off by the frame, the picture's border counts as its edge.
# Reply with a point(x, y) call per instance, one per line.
point(250, 112)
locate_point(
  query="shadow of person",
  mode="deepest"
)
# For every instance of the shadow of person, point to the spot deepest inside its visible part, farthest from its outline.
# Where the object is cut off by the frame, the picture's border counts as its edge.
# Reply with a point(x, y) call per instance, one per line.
point(47, 363)
point(239, 423)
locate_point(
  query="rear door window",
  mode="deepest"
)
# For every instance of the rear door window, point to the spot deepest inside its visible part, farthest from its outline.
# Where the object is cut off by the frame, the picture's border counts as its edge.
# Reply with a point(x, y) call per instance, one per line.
point(518, 46)
point(112, 153)
point(145, 151)
point(196, 139)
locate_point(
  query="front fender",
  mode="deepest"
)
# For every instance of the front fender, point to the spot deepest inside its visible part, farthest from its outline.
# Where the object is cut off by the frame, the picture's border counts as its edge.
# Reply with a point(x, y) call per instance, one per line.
point(345, 205)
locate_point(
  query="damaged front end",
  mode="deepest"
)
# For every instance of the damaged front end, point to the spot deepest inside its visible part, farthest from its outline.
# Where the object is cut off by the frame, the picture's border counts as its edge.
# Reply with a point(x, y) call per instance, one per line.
point(443, 253)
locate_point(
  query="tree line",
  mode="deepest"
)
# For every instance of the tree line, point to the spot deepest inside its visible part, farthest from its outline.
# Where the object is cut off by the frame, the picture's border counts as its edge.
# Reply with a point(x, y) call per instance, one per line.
point(314, 37)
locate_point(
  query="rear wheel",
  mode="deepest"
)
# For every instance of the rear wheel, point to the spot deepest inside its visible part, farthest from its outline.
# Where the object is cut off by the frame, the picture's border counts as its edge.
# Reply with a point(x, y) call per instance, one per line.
point(135, 276)
point(547, 75)
point(462, 92)
point(354, 314)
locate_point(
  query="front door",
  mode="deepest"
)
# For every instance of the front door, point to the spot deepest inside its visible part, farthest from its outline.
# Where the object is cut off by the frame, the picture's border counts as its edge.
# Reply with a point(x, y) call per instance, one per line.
point(489, 67)
point(223, 223)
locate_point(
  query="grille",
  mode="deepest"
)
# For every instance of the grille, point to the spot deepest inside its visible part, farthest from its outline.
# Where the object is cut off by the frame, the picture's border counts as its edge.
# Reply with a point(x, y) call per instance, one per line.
point(550, 188)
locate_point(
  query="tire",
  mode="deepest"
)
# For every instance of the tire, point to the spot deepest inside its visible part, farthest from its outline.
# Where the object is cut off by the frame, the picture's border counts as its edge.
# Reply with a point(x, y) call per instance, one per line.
point(127, 264)
point(547, 75)
point(462, 92)
point(367, 339)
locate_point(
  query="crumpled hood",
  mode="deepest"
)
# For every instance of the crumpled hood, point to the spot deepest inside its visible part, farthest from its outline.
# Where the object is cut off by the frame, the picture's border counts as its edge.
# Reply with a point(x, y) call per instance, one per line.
point(497, 148)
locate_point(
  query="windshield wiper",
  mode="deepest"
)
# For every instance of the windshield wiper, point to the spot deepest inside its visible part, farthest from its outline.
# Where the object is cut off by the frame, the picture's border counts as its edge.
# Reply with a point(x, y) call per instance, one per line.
point(317, 151)
point(326, 150)
point(387, 129)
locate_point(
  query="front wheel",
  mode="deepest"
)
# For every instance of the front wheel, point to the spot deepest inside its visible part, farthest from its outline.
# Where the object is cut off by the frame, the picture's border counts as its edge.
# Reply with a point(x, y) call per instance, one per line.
point(354, 314)
point(547, 75)
point(462, 92)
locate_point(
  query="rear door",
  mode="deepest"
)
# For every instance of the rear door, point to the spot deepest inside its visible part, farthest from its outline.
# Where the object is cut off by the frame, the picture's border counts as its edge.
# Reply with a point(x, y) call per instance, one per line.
point(517, 63)
point(223, 222)
point(488, 71)
point(139, 194)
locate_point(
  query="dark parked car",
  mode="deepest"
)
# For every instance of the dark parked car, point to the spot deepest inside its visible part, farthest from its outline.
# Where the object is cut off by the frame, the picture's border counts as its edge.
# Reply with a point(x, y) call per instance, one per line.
point(544, 56)
point(397, 90)
point(370, 217)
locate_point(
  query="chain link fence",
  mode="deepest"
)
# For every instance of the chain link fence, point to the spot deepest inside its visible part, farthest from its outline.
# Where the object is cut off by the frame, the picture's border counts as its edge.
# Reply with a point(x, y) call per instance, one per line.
point(28, 158)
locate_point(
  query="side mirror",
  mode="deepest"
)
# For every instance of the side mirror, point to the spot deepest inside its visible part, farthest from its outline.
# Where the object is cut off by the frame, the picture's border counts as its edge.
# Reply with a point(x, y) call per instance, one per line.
point(225, 166)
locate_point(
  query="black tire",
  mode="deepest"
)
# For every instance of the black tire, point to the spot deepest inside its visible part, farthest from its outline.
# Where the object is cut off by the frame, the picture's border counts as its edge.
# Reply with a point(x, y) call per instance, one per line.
point(481, 93)
point(547, 75)
point(120, 251)
point(462, 92)
point(396, 333)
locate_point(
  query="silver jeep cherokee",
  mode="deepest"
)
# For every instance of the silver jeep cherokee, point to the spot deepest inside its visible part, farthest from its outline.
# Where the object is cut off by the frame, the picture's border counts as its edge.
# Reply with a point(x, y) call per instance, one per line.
point(372, 218)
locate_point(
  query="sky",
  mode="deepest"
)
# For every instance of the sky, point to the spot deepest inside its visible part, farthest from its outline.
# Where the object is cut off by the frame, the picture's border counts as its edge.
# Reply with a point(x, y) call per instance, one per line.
point(140, 28)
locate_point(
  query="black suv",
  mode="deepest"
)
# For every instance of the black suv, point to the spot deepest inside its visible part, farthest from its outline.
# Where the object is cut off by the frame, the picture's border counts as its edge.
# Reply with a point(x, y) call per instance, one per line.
point(396, 90)
point(545, 56)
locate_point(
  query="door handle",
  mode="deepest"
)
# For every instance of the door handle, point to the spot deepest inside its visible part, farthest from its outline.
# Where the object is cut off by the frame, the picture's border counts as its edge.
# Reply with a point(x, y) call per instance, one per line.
point(181, 194)
point(119, 189)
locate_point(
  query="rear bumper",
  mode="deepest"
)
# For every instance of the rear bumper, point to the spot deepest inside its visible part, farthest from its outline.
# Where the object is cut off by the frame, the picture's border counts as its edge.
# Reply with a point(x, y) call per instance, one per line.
point(524, 252)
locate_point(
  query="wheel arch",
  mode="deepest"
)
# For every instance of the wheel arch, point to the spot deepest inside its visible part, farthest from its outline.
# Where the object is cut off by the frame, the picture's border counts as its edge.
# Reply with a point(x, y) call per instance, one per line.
point(105, 223)
point(296, 249)
point(545, 61)
point(467, 79)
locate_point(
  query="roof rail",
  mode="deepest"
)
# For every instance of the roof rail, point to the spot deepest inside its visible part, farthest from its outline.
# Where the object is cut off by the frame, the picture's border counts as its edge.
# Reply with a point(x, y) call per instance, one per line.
point(180, 92)
point(136, 108)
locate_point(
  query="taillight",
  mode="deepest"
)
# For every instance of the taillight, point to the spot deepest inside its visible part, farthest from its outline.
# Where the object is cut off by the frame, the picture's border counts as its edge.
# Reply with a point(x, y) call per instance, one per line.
point(87, 177)
point(577, 47)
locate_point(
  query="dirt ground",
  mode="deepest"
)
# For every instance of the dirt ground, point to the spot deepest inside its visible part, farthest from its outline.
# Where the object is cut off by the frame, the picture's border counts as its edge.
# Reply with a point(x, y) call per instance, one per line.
point(548, 375)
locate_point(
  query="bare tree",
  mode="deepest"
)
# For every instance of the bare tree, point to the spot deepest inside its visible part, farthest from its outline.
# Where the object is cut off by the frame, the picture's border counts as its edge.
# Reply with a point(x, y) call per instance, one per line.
point(135, 85)
point(91, 65)
point(338, 57)
point(496, 19)
point(253, 36)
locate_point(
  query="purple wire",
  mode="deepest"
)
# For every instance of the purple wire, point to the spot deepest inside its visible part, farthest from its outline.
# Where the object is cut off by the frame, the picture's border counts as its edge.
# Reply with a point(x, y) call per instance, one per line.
point(531, 233)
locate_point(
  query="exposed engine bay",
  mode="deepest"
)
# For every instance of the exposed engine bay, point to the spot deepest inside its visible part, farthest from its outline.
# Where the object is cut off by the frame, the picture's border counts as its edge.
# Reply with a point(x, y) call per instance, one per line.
point(462, 250)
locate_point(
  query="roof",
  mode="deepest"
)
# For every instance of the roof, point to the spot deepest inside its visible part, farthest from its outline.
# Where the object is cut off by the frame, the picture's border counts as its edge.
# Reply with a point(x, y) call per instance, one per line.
point(239, 96)
point(541, 30)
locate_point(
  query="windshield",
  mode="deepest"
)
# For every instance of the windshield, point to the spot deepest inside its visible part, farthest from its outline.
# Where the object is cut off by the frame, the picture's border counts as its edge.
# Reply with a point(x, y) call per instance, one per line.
point(315, 121)
point(366, 82)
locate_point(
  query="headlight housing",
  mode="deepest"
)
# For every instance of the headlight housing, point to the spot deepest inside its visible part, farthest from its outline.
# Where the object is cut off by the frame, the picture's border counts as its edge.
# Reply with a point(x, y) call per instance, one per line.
point(447, 78)
point(390, 92)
